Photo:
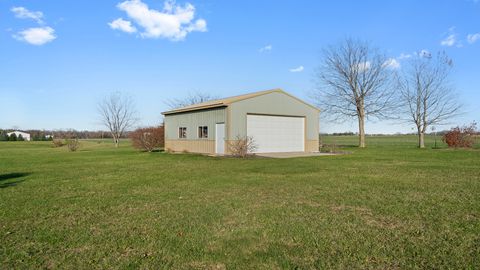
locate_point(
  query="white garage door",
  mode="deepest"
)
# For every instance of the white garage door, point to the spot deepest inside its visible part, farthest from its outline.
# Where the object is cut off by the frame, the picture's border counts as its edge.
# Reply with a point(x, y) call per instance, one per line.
point(276, 133)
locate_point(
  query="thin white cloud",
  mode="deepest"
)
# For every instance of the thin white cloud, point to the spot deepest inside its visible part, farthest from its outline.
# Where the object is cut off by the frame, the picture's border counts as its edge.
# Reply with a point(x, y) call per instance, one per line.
point(449, 41)
point(123, 25)
point(391, 63)
point(36, 35)
point(23, 13)
point(364, 66)
point(174, 22)
point(404, 56)
point(267, 48)
point(472, 38)
point(297, 69)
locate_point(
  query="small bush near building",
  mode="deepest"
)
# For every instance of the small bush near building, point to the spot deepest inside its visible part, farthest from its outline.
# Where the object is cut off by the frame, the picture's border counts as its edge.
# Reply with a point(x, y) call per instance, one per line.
point(148, 139)
point(461, 137)
point(242, 147)
point(329, 148)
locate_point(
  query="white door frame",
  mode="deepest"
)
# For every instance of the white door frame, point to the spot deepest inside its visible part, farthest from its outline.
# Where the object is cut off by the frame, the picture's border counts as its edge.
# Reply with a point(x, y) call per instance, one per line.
point(220, 138)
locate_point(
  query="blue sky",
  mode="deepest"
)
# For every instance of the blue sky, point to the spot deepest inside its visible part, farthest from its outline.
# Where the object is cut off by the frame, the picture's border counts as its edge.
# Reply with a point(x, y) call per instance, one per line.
point(59, 58)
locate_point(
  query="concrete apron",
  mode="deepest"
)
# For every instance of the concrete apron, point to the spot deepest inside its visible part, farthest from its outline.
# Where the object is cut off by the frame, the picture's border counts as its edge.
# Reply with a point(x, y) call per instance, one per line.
point(294, 154)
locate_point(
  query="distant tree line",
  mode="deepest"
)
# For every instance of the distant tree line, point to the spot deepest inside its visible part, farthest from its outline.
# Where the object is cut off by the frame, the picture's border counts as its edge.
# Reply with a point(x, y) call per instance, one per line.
point(84, 134)
point(348, 133)
point(48, 135)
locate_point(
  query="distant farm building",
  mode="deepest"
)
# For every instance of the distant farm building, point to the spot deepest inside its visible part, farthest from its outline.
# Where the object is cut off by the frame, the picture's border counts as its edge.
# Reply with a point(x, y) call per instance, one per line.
point(25, 136)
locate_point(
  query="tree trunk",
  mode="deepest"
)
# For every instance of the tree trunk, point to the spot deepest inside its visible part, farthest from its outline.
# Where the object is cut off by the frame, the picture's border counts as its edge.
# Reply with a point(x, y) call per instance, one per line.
point(361, 131)
point(115, 140)
point(421, 139)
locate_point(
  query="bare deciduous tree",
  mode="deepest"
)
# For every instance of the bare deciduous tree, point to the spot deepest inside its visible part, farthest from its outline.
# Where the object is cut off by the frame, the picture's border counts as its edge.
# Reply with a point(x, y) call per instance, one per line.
point(355, 80)
point(427, 94)
point(191, 99)
point(117, 113)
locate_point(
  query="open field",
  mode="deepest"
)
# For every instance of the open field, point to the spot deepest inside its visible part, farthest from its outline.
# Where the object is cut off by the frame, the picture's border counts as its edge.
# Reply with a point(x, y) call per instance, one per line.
point(386, 207)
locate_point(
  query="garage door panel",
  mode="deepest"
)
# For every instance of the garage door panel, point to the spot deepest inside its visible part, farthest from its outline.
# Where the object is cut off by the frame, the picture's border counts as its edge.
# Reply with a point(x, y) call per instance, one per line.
point(277, 133)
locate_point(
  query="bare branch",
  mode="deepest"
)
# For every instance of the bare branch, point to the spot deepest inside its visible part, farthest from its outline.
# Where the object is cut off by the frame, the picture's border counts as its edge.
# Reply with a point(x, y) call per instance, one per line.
point(427, 96)
point(354, 82)
point(191, 99)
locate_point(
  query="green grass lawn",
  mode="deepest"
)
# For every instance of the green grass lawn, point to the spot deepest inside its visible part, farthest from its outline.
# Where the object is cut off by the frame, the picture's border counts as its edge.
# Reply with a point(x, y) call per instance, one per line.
point(388, 206)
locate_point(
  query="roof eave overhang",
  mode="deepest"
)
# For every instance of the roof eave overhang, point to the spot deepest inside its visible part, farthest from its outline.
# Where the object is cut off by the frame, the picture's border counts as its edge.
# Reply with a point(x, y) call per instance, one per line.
point(218, 105)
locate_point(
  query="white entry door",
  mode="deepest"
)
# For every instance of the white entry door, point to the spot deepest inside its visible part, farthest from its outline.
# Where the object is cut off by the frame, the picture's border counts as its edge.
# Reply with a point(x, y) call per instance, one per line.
point(220, 138)
point(276, 133)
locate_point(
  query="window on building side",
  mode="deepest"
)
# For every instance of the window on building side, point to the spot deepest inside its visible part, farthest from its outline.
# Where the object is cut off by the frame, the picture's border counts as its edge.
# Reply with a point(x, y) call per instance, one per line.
point(203, 132)
point(182, 132)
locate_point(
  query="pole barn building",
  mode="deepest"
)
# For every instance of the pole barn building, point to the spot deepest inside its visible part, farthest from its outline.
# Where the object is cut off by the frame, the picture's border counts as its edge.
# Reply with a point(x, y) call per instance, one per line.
point(276, 120)
point(25, 136)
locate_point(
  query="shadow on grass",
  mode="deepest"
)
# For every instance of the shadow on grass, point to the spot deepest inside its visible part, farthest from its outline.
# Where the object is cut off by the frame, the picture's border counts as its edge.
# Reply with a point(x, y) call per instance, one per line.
point(348, 146)
point(9, 176)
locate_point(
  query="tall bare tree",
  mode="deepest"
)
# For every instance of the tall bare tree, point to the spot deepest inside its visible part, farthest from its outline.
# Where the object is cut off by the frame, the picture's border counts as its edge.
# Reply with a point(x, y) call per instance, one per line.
point(117, 113)
point(192, 98)
point(428, 97)
point(355, 80)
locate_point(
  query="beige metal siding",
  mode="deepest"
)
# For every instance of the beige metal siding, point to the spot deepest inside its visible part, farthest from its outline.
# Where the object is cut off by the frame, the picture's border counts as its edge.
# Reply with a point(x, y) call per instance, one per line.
point(192, 120)
point(193, 146)
point(312, 146)
point(275, 103)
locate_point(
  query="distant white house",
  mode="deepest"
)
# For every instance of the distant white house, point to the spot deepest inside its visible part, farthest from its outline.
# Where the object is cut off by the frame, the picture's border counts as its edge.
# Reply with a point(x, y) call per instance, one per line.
point(26, 136)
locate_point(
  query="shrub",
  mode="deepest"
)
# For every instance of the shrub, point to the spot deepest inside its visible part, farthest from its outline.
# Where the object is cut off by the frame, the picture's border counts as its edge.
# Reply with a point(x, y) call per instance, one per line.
point(463, 137)
point(13, 137)
point(330, 148)
point(3, 136)
point(72, 144)
point(20, 138)
point(148, 139)
point(57, 143)
point(242, 146)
